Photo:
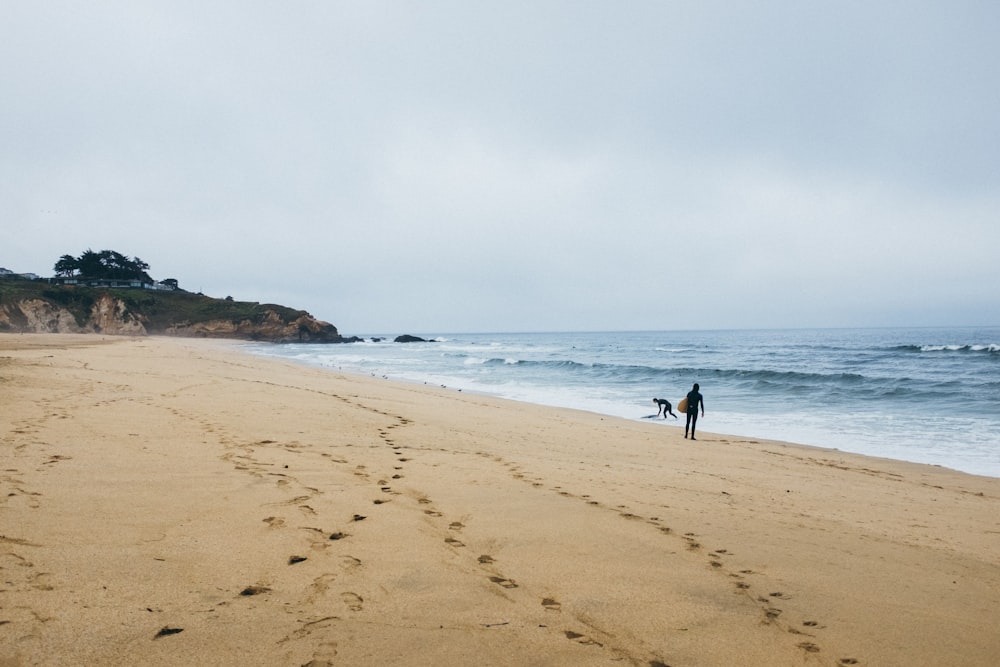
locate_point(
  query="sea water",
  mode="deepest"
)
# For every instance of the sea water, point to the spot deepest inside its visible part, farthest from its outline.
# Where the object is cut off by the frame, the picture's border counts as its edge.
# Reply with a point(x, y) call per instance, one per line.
point(923, 395)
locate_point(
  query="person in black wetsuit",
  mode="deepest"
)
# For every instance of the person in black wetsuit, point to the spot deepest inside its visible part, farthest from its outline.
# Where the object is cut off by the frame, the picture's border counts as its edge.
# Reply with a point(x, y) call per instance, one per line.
point(663, 405)
point(695, 400)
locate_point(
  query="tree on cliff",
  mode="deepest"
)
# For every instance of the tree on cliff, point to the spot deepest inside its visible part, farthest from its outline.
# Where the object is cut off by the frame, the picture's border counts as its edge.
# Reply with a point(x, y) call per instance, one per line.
point(106, 264)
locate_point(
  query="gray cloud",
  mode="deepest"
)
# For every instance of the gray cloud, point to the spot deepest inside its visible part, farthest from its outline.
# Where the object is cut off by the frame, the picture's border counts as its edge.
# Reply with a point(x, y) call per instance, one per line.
point(452, 166)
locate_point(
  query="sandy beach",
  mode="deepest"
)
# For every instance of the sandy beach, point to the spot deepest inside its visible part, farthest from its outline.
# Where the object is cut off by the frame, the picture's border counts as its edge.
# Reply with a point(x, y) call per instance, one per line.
point(180, 502)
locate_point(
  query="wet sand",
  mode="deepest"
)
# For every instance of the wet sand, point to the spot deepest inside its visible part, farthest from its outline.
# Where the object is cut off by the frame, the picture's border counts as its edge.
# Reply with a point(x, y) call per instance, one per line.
point(177, 502)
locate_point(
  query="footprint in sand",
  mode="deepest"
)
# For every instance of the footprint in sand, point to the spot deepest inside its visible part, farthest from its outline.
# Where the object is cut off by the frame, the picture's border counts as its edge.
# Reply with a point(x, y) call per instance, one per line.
point(31, 497)
point(485, 560)
point(580, 639)
point(42, 581)
point(348, 563)
point(503, 581)
point(453, 542)
point(166, 631)
point(352, 600)
point(323, 656)
point(551, 604)
point(321, 585)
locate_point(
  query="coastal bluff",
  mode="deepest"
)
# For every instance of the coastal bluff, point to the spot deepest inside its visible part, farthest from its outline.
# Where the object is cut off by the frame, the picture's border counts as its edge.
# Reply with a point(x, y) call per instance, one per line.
point(35, 307)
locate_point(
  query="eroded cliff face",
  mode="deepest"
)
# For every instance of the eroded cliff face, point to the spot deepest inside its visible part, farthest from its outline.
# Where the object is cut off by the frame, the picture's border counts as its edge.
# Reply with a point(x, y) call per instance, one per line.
point(111, 316)
point(107, 316)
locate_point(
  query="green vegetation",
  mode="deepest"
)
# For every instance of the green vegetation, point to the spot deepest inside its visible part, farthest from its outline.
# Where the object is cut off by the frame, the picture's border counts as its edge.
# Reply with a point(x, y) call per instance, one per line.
point(159, 309)
point(77, 302)
point(106, 264)
point(163, 309)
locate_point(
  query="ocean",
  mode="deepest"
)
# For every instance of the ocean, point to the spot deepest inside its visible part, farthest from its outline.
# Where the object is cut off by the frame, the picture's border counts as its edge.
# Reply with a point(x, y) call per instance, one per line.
point(927, 395)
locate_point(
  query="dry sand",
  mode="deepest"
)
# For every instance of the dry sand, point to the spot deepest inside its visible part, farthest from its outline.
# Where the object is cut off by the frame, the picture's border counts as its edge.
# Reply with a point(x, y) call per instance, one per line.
point(180, 502)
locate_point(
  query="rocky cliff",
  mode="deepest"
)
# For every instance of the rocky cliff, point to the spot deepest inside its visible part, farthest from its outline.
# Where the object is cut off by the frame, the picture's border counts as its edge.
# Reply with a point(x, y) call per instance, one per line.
point(107, 315)
point(268, 326)
point(138, 313)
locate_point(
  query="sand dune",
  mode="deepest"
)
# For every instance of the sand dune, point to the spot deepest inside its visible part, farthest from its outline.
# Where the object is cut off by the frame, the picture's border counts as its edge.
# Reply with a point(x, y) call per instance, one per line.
point(178, 502)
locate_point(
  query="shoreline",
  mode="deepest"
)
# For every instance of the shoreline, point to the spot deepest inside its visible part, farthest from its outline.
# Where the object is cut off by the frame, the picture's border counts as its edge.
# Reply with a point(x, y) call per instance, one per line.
point(869, 392)
point(181, 501)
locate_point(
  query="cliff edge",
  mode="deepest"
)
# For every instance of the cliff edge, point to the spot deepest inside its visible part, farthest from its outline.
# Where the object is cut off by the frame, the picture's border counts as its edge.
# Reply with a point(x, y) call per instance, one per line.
point(28, 306)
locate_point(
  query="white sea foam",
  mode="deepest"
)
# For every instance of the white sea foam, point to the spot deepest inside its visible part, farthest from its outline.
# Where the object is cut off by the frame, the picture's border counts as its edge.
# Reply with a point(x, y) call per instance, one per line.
point(992, 347)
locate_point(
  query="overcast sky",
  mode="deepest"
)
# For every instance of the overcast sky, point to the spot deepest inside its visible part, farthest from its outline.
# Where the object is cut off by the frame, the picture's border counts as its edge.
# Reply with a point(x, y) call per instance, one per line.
point(434, 167)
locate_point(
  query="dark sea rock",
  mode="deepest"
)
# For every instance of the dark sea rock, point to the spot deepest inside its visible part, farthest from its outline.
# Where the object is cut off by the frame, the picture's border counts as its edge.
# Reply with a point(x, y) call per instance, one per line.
point(407, 338)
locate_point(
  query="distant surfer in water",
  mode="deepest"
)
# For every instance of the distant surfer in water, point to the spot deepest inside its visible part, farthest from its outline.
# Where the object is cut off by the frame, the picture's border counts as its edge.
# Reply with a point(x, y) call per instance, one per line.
point(663, 405)
point(694, 400)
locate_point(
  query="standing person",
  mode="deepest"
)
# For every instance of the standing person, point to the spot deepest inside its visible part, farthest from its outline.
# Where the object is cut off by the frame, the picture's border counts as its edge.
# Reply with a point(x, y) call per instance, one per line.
point(695, 399)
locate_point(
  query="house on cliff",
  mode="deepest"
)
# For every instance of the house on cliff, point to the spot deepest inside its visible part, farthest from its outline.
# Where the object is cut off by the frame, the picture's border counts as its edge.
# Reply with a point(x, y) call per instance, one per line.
point(165, 285)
